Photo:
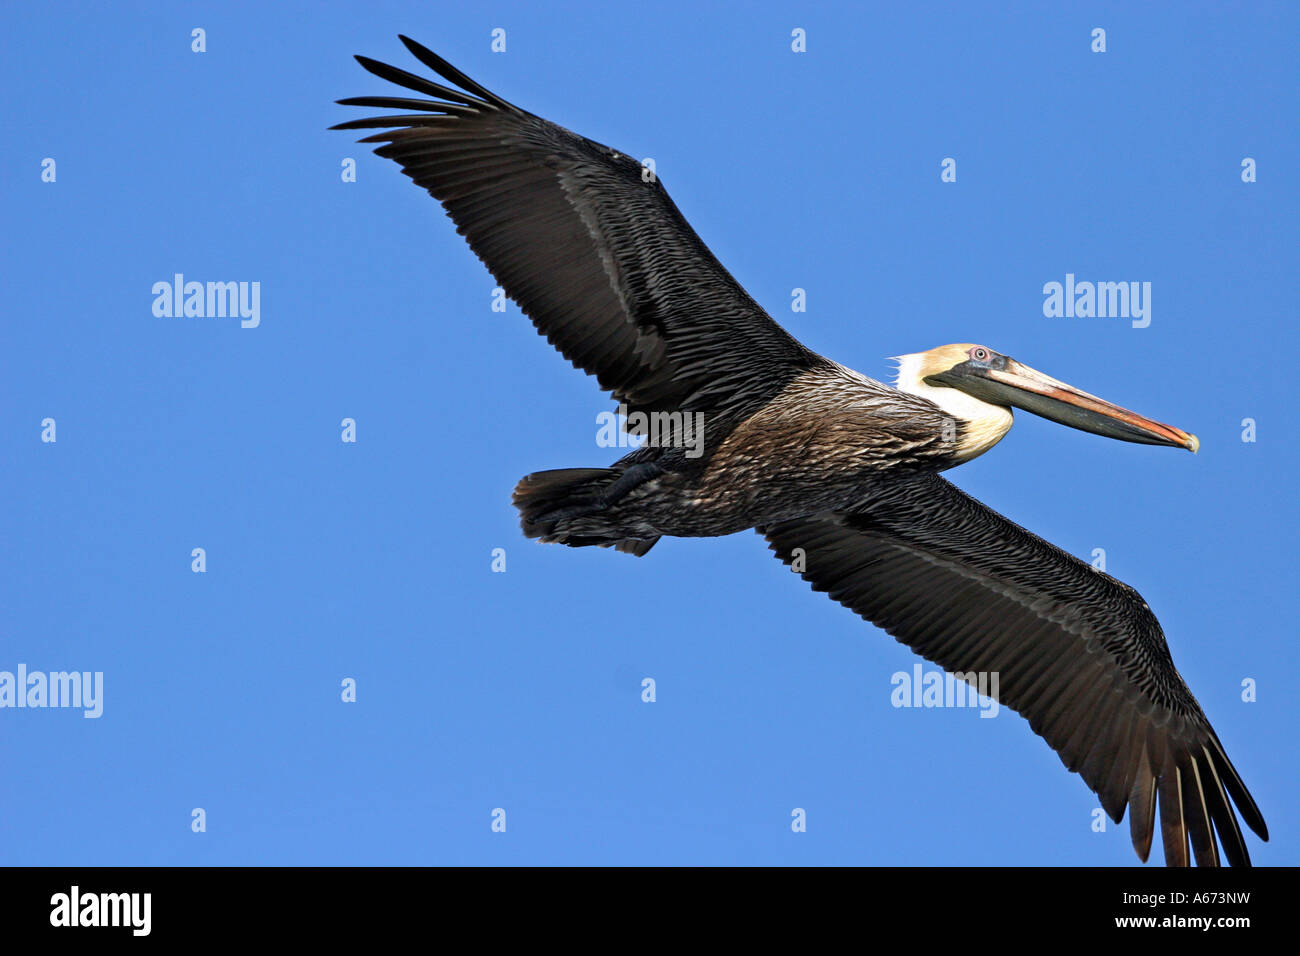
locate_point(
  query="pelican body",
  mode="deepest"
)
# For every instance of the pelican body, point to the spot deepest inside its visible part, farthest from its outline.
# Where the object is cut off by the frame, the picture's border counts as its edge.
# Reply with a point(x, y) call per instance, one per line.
point(824, 462)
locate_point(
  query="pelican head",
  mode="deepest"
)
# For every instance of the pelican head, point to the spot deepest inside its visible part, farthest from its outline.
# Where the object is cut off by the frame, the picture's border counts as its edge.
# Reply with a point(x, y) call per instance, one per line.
point(981, 386)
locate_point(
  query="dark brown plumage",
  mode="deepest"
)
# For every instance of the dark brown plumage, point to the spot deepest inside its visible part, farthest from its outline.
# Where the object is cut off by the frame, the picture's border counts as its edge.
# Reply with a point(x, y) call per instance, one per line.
point(823, 461)
point(1079, 654)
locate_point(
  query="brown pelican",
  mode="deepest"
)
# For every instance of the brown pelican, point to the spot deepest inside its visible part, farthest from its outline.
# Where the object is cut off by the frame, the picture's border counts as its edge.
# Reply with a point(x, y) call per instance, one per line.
point(839, 472)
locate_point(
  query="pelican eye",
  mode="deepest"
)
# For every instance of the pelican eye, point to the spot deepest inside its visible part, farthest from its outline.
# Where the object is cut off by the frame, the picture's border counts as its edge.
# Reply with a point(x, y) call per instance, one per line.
point(979, 354)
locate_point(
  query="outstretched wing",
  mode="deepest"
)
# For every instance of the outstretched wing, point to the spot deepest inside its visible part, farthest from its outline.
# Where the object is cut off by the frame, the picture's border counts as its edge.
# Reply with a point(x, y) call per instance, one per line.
point(589, 245)
point(1077, 653)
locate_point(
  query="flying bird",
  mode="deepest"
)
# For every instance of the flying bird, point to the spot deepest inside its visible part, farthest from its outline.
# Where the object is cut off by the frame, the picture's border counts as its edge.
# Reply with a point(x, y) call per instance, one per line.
point(839, 472)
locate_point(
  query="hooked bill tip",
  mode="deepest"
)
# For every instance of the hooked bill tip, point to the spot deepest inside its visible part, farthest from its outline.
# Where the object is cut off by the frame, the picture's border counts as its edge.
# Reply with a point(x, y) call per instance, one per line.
point(1193, 443)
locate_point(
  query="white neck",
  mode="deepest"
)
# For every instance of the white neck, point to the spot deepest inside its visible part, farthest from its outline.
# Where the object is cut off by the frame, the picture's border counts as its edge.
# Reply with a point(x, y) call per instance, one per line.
point(985, 424)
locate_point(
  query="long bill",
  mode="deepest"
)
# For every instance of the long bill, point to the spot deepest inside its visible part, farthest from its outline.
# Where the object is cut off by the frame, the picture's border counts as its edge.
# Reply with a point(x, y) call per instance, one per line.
point(1020, 386)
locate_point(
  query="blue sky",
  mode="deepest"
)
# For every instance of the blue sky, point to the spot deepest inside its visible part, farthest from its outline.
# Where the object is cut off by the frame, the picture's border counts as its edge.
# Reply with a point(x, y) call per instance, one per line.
point(373, 560)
